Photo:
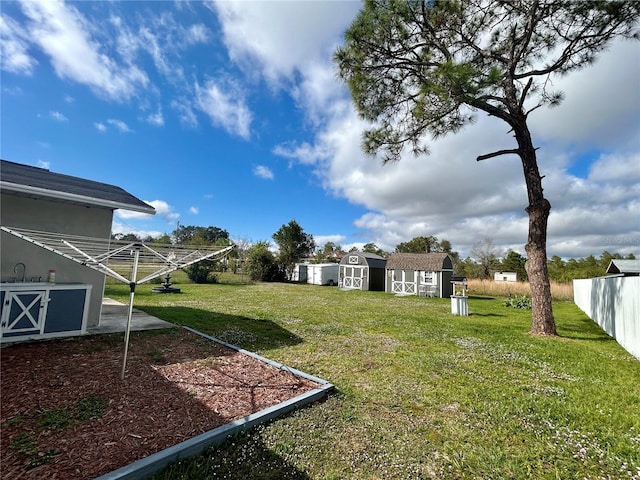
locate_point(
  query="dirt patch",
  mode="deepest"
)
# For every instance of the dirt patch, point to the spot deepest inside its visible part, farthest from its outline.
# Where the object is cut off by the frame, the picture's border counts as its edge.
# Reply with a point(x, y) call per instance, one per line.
point(66, 414)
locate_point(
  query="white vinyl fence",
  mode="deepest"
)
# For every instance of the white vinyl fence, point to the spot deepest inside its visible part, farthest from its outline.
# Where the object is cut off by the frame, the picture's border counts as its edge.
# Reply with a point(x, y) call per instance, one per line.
point(614, 304)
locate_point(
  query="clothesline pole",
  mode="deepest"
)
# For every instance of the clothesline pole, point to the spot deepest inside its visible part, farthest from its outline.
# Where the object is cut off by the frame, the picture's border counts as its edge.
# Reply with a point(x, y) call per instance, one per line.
point(132, 287)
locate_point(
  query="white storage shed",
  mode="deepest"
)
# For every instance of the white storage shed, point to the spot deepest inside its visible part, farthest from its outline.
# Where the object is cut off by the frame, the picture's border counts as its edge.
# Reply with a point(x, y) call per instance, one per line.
point(322, 273)
point(505, 277)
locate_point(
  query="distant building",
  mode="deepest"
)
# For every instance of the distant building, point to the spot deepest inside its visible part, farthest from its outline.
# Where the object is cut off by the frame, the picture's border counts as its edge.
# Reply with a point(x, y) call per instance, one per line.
point(322, 273)
point(505, 277)
point(423, 274)
point(362, 271)
point(626, 268)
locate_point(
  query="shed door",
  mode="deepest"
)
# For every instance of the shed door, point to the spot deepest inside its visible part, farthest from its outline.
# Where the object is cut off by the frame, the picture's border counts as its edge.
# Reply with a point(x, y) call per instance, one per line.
point(404, 282)
point(353, 277)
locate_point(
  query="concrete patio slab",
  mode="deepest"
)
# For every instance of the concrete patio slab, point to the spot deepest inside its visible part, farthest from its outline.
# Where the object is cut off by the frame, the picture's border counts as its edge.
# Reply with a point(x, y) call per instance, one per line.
point(113, 319)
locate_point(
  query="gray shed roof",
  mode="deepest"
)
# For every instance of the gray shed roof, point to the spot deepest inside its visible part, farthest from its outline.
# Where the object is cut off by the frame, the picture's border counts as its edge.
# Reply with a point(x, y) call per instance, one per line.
point(371, 259)
point(19, 179)
point(624, 266)
point(428, 262)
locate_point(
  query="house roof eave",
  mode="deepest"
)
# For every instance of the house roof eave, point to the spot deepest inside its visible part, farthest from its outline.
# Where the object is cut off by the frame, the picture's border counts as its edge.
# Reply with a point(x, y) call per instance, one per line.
point(10, 187)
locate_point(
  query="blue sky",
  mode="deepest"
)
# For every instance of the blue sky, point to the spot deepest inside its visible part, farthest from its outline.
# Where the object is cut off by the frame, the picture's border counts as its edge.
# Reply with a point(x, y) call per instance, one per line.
point(230, 114)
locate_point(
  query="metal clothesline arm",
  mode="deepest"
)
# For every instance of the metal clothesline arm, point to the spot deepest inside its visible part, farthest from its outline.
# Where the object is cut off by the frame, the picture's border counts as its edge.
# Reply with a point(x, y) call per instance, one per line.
point(96, 266)
point(174, 267)
point(99, 266)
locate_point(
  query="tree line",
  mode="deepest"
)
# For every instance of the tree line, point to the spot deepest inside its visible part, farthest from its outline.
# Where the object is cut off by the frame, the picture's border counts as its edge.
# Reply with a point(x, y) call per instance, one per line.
point(293, 245)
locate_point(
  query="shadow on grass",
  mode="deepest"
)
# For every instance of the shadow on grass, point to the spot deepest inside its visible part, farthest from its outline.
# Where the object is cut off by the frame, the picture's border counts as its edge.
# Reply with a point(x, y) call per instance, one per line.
point(475, 297)
point(242, 457)
point(249, 333)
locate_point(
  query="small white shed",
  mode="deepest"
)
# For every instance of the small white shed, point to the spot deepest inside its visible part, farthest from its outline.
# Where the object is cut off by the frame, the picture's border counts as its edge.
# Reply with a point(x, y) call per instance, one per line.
point(299, 273)
point(322, 273)
point(505, 277)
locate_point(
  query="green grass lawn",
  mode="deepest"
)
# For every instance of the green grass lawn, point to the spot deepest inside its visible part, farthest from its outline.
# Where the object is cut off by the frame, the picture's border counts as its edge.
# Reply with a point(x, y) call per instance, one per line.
point(420, 393)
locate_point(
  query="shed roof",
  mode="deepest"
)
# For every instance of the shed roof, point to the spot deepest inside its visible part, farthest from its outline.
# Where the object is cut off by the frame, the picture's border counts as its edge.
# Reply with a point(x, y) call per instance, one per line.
point(624, 266)
point(428, 262)
point(19, 179)
point(371, 259)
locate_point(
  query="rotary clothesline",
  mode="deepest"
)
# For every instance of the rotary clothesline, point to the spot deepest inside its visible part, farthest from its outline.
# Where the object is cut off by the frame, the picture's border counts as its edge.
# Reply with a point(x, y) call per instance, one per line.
point(113, 257)
point(116, 258)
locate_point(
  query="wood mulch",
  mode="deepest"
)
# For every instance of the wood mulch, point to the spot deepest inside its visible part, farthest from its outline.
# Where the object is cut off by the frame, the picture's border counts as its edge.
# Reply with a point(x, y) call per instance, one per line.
point(66, 414)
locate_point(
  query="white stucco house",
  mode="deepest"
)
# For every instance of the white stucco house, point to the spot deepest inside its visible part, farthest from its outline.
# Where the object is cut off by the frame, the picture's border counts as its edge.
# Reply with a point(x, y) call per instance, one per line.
point(40, 200)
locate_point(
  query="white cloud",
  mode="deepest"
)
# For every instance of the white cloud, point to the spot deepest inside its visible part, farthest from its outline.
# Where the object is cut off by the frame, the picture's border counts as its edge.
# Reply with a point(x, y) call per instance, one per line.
point(616, 168)
point(225, 105)
point(15, 57)
point(163, 210)
point(336, 239)
point(194, 210)
point(65, 36)
point(280, 37)
point(119, 124)
point(43, 164)
point(101, 127)
point(185, 112)
point(263, 172)
point(450, 195)
point(601, 104)
point(151, 43)
point(12, 90)
point(58, 116)
point(119, 227)
point(198, 33)
point(290, 45)
point(304, 152)
point(128, 215)
point(156, 119)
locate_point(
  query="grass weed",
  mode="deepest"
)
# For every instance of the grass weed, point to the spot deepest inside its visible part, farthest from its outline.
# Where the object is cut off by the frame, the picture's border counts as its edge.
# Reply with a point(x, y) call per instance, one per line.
point(559, 291)
point(421, 393)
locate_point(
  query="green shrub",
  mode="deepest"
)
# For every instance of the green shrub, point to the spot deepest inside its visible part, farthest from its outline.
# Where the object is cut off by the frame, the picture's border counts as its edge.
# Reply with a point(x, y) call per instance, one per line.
point(202, 272)
point(518, 301)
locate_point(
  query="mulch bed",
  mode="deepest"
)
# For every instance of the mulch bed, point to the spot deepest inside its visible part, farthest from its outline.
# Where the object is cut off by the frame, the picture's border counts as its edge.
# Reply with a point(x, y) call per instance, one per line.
point(66, 414)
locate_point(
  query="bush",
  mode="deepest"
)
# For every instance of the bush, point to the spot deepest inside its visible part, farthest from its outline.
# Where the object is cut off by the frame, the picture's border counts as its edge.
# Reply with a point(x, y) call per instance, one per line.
point(261, 264)
point(519, 301)
point(202, 272)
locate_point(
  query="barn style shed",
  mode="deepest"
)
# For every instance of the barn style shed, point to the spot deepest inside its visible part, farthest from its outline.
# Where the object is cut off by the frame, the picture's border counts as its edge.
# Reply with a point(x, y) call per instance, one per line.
point(362, 271)
point(427, 274)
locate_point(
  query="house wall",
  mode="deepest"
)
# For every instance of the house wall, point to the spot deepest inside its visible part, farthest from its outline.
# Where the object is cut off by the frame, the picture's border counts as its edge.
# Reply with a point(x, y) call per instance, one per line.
point(614, 304)
point(51, 216)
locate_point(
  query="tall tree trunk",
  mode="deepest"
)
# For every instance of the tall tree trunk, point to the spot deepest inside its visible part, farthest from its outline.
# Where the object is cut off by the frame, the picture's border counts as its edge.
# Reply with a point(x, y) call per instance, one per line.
point(542, 321)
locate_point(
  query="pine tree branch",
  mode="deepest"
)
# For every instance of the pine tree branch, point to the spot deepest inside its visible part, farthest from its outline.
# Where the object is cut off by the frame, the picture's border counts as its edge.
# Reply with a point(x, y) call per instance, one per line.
point(487, 156)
